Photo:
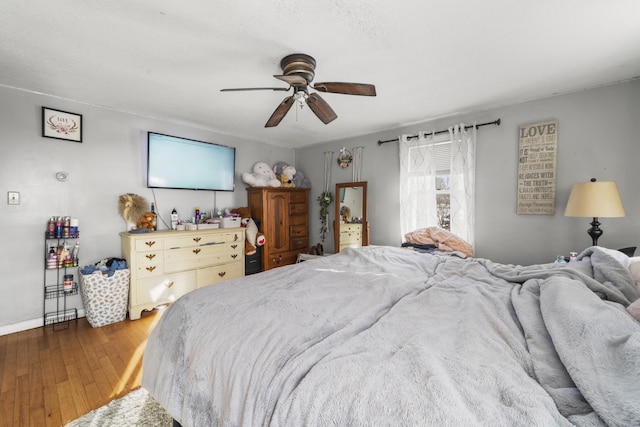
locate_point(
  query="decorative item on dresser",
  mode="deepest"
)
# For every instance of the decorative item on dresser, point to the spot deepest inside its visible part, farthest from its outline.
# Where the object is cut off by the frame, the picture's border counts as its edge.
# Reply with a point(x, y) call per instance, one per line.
point(167, 264)
point(283, 214)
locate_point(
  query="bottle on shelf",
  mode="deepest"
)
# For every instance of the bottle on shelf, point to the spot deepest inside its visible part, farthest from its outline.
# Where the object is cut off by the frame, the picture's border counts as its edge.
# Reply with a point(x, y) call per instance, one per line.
point(59, 223)
point(73, 230)
point(52, 259)
point(174, 219)
point(66, 227)
point(51, 228)
point(74, 254)
point(67, 284)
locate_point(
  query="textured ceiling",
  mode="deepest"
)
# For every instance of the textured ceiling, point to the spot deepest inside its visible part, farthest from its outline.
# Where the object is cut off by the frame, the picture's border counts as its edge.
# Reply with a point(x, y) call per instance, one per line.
point(428, 58)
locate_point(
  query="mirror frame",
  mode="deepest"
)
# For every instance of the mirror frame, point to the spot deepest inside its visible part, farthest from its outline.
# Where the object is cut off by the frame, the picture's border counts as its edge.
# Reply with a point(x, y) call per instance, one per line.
point(336, 220)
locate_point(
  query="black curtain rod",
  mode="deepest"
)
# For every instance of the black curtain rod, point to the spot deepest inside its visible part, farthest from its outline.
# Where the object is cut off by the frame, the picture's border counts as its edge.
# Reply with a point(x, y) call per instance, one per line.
point(495, 122)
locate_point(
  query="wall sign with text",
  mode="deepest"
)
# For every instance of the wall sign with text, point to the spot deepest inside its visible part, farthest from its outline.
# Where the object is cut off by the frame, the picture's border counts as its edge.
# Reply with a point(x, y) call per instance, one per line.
point(537, 168)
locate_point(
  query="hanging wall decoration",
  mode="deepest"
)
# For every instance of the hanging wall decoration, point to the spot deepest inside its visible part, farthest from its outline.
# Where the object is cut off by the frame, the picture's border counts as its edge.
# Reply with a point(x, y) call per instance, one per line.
point(344, 158)
point(537, 168)
point(61, 125)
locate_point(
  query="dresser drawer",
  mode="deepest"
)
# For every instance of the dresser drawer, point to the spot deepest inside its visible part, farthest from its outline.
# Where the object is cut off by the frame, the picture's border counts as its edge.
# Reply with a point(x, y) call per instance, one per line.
point(298, 220)
point(149, 268)
point(300, 243)
point(297, 208)
point(214, 275)
point(164, 289)
point(149, 244)
point(298, 197)
point(194, 257)
point(281, 259)
point(296, 231)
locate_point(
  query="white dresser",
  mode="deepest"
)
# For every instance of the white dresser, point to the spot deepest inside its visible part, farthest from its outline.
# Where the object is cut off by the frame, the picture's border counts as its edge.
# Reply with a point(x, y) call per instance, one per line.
point(165, 265)
point(350, 236)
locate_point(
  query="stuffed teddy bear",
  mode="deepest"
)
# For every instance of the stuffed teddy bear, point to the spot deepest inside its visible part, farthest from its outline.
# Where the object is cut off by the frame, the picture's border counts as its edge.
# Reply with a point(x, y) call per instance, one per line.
point(262, 176)
point(148, 221)
point(285, 180)
point(131, 208)
point(298, 178)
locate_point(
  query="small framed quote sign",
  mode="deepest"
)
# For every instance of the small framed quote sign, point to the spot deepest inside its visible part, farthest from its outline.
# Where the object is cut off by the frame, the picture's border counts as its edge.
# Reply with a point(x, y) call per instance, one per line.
point(61, 125)
point(537, 168)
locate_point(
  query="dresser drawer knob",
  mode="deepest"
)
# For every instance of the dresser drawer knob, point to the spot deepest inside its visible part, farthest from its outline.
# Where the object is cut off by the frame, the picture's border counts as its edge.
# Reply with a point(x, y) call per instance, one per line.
point(196, 251)
point(197, 239)
point(234, 246)
point(170, 284)
point(235, 237)
point(150, 256)
point(222, 273)
point(234, 256)
point(151, 268)
point(150, 243)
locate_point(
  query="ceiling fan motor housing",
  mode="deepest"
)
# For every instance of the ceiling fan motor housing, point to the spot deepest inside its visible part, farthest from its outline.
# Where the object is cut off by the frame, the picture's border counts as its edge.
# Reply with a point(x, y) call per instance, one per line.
point(299, 64)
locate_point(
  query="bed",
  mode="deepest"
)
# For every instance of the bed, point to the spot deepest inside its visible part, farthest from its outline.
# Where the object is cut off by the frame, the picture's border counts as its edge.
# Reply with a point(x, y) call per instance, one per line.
point(380, 336)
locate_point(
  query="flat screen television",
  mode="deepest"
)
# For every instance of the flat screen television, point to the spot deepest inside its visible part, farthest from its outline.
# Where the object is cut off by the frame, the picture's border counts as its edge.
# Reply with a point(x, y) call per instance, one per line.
point(187, 164)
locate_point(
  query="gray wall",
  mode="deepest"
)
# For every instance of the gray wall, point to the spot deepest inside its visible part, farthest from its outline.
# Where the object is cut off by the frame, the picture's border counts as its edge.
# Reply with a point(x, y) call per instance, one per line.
point(599, 136)
point(110, 161)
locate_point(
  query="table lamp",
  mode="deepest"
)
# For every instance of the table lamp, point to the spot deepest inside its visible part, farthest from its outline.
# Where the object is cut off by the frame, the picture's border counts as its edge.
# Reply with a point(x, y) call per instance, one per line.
point(595, 200)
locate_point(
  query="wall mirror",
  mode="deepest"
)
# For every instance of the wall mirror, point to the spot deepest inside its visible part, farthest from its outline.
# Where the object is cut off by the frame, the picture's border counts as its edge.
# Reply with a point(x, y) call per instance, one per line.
point(350, 227)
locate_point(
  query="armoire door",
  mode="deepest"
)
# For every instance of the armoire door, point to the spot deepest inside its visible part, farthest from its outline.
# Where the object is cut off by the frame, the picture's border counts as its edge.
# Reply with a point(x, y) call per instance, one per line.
point(278, 222)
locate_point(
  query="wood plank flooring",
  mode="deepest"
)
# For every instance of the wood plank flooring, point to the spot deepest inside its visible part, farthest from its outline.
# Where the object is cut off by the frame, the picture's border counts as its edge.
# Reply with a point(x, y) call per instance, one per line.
point(50, 377)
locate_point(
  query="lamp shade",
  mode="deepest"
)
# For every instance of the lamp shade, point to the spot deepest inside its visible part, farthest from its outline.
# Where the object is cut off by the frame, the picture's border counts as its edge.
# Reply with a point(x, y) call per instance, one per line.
point(595, 199)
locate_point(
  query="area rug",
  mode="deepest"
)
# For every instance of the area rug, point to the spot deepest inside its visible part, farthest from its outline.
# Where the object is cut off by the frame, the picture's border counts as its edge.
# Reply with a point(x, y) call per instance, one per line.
point(136, 409)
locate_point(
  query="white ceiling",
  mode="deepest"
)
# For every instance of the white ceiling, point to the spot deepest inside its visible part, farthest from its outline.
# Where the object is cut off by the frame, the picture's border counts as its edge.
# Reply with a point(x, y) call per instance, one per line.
point(169, 59)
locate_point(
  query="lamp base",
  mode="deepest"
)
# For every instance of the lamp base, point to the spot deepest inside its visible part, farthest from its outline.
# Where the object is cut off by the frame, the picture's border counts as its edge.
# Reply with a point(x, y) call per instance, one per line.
point(595, 232)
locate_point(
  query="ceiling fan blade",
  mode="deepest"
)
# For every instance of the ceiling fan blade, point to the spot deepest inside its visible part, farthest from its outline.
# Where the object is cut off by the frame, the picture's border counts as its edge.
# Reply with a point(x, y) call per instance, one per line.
point(320, 108)
point(346, 88)
point(292, 79)
point(280, 112)
point(242, 89)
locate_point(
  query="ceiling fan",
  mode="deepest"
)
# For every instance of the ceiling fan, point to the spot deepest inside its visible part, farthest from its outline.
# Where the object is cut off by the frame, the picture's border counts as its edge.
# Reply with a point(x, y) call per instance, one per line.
point(298, 70)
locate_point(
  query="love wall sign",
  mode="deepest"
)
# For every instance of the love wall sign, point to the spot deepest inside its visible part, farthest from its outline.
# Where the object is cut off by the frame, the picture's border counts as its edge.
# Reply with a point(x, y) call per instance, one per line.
point(537, 168)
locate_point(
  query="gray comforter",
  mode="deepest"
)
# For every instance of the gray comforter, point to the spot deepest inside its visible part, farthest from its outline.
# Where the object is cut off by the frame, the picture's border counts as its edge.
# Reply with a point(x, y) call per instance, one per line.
point(387, 337)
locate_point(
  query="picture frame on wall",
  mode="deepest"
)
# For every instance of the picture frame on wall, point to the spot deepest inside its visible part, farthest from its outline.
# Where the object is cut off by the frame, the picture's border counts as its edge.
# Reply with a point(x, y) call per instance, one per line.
point(59, 124)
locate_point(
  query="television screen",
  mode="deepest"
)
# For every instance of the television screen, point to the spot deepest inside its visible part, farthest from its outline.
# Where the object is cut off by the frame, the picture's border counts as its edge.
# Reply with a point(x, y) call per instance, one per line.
point(181, 163)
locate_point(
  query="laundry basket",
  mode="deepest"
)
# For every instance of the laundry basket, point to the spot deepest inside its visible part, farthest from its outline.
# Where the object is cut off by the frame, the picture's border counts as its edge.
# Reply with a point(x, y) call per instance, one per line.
point(105, 297)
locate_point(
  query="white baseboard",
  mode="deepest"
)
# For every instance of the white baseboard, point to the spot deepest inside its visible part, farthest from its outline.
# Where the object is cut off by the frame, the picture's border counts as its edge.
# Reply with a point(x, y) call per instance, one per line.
point(28, 324)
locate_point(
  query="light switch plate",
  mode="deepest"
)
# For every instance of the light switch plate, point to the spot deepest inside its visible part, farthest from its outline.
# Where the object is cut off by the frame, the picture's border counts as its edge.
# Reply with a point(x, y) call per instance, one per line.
point(13, 197)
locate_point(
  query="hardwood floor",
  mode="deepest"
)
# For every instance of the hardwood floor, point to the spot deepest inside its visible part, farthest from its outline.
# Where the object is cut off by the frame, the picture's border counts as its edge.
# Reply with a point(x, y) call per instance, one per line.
point(50, 377)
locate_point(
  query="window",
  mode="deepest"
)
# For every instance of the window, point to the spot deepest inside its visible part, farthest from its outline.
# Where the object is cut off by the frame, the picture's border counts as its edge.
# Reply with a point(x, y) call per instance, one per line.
point(437, 181)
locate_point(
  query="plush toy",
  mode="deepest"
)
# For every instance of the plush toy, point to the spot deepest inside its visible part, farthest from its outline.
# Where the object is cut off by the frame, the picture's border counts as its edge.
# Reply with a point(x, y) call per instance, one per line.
point(131, 207)
point(285, 181)
point(254, 238)
point(262, 176)
point(242, 212)
point(298, 177)
point(300, 181)
point(148, 221)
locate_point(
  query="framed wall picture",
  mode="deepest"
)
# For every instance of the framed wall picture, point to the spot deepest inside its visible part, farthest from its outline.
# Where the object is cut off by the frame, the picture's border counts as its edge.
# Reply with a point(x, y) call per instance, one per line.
point(61, 125)
point(538, 147)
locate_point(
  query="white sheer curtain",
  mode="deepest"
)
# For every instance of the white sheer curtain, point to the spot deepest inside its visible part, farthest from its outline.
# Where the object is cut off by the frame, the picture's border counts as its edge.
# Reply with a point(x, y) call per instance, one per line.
point(417, 183)
point(463, 182)
point(418, 161)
